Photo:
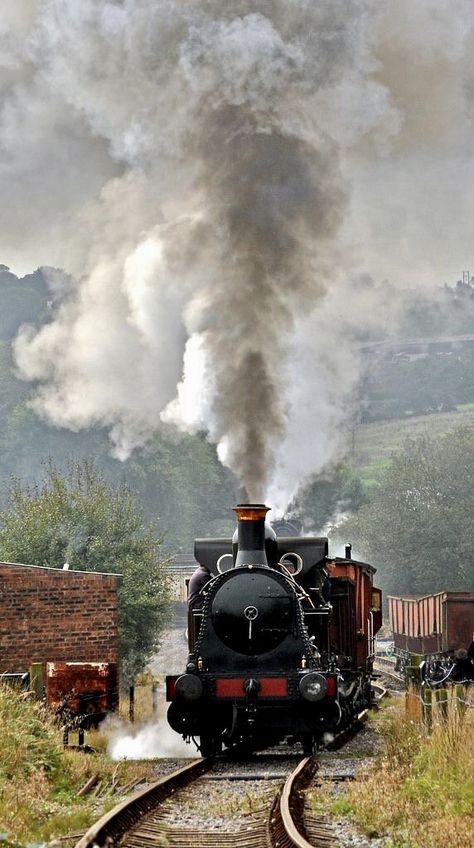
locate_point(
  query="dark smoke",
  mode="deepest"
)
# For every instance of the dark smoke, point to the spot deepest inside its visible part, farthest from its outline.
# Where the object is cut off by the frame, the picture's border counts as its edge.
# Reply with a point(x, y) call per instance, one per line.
point(274, 200)
point(211, 174)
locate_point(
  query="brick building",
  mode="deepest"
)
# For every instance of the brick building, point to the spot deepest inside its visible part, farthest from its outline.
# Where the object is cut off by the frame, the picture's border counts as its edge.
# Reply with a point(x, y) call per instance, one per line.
point(51, 615)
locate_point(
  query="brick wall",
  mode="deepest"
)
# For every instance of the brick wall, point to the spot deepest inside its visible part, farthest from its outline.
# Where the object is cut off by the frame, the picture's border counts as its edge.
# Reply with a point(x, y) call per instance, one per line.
point(47, 614)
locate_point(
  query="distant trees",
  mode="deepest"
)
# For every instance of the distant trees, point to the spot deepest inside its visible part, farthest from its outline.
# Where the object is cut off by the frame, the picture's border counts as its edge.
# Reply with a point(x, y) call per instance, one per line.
point(178, 479)
point(435, 383)
point(326, 496)
point(418, 525)
point(81, 519)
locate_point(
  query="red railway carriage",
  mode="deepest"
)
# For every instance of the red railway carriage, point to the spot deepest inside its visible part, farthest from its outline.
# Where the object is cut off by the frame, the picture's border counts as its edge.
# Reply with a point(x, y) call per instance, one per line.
point(434, 624)
point(357, 606)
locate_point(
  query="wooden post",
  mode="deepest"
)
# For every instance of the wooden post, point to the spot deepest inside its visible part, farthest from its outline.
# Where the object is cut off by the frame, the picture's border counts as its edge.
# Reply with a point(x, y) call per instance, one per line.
point(154, 698)
point(460, 694)
point(427, 706)
point(442, 703)
point(131, 710)
point(36, 680)
point(412, 705)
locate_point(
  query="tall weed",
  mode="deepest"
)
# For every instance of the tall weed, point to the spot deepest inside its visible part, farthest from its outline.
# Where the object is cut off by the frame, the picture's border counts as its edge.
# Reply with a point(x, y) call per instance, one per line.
point(39, 781)
point(420, 791)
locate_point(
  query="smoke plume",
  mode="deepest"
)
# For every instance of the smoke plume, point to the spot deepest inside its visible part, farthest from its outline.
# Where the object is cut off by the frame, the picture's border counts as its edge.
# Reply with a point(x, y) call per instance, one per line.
point(214, 176)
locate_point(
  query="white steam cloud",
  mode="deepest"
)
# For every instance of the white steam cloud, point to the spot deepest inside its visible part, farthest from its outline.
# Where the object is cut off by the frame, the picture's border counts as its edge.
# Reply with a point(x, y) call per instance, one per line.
point(214, 177)
point(150, 741)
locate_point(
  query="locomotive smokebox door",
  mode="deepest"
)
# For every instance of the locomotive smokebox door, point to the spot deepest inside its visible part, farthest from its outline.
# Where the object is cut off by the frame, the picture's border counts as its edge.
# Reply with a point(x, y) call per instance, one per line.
point(254, 615)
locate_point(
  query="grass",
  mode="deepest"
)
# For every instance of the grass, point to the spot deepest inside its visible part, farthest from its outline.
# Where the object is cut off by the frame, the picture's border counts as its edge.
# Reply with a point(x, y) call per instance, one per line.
point(419, 792)
point(375, 443)
point(39, 781)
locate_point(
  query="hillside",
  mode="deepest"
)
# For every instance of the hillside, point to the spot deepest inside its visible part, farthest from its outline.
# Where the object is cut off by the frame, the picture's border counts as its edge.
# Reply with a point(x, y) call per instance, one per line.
point(374, 443)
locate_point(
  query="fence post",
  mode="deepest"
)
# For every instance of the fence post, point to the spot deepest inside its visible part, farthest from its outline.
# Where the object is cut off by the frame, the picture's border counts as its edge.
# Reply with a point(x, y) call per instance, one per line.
point(36, 680)
point(413, 705)
point(427, 706)
point(460, 694)
point(442, 702)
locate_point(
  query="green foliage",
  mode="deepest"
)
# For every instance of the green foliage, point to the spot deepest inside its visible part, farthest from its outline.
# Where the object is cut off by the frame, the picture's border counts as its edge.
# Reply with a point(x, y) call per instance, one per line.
point(21, 301)
point(82, 520)
point(29, 742)
point(423, 386)
point(326, 495)
point(420, 788)
point(39, 781)
point(418, 525)
point(182, 486)
point(450, 311)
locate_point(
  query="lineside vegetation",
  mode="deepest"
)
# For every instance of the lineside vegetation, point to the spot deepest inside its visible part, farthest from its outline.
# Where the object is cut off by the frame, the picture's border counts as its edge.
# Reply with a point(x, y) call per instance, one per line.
point(39, 781)
point(81, 520)
point(418, 792)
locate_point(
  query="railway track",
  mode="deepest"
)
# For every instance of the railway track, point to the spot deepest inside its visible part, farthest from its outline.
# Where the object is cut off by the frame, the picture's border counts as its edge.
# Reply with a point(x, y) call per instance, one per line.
point(158, 815)
point(386, 668)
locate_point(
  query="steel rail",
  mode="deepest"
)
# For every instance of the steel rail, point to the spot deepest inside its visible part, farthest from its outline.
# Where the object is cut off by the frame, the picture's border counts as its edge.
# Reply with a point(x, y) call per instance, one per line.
point(380, 691)
point(286, 827)
point(108, 829)
point(290, 806)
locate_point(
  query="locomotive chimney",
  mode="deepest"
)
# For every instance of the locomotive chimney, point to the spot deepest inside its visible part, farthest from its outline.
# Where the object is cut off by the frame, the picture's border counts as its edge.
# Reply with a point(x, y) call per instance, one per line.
point(348, 551)
point(249, 538)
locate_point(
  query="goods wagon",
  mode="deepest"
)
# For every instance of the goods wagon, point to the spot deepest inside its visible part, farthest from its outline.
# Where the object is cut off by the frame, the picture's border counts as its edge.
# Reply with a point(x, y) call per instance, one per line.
point(434, 624)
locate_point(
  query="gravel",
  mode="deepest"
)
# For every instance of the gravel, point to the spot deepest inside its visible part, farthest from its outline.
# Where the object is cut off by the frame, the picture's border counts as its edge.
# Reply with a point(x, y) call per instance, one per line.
point(336, 769)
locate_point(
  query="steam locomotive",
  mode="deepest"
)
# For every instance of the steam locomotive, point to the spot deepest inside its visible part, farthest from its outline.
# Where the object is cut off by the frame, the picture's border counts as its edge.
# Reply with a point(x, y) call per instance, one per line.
point(271, 656)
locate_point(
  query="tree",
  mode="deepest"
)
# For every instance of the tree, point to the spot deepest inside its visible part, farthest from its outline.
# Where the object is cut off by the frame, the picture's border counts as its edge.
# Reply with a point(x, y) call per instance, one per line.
point(325, 496)
point(80, 519)
point(178, 477)
point(418, 527)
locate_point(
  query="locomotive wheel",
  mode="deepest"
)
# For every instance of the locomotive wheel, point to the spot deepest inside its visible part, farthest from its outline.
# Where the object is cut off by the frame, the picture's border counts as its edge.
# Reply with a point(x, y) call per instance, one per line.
point(210, 745)
point(308, 742)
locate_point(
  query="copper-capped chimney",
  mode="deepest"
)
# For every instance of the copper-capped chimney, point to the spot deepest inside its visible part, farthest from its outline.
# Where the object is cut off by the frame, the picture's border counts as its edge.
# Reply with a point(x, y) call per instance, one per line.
point(249, 539)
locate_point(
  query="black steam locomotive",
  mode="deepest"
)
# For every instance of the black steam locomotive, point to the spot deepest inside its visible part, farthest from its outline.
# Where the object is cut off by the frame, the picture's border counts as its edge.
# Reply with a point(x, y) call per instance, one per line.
point(272, 656)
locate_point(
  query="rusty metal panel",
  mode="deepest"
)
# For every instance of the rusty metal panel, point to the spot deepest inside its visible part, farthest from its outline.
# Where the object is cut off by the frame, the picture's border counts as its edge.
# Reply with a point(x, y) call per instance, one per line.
point(85, 690)
point(438, 616)
point(459, 615)
point(401, 616)
point(396, 614)
point(440, 622)
point(431, 615)
point(391, 612)
point(425, 617)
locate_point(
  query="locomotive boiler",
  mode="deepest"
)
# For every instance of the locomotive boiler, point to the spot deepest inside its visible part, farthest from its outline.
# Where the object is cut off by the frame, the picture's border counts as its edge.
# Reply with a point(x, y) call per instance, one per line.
point(278, 651)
